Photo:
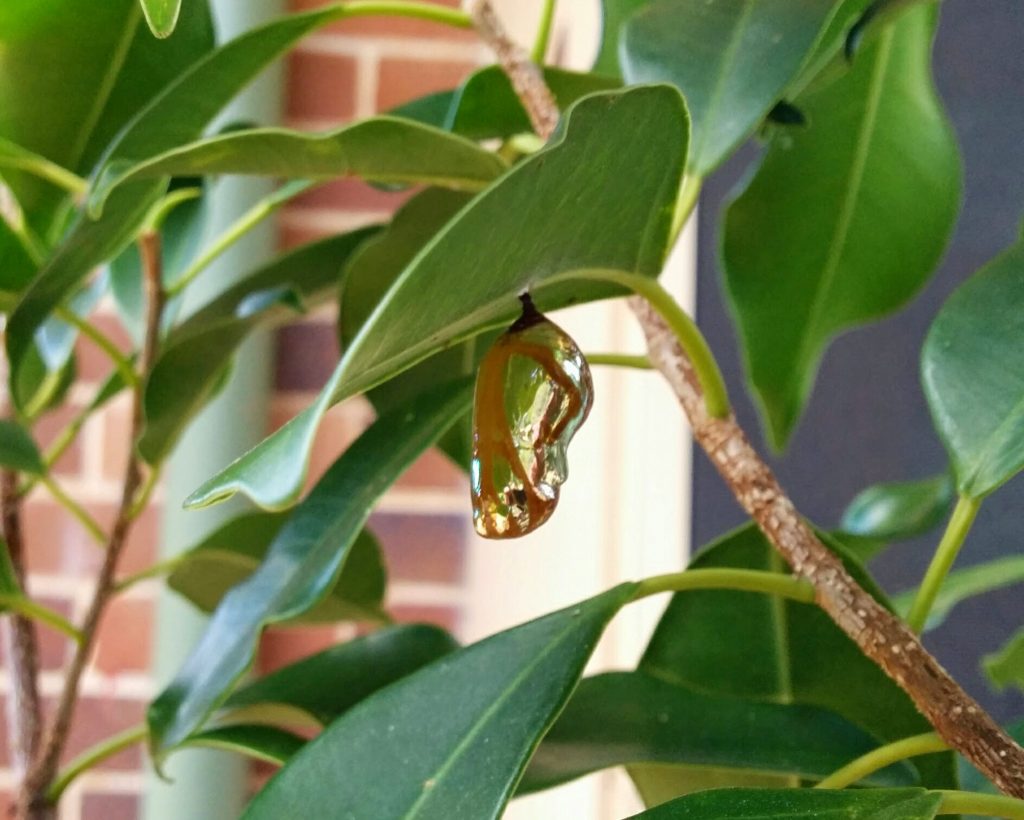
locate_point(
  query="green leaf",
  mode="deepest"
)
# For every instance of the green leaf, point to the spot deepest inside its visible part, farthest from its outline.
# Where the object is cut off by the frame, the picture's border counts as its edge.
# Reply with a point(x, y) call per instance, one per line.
point(265, 743)
point(173, 117)
point(962, 584)
point(791, 804)
point(232, 553)
point(380, 149)
point(17, 449)
point(781, 651)
point(1006, 667)
point(900, 510)
point(191, 366)
point(614, 14)
point(451, 740)
point(634, 717)
point(16, 266)
point(161, 15)
point(818, 240)
point(302, 562)
point(972, 366)
point(9, 585)
point(732, 60)
point(323, 686)
point(612, 210)
point(369, 275)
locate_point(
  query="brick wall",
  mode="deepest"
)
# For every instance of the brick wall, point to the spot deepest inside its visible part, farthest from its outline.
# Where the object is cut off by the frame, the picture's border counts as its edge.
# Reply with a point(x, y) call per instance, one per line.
point(351, 69)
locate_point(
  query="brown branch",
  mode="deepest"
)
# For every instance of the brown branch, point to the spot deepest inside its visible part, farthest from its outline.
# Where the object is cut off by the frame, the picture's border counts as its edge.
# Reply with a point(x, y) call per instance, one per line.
point(881, 636)
point(44, 767)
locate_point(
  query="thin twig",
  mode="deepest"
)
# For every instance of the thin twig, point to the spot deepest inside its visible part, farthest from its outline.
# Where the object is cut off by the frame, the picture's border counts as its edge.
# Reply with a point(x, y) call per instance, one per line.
point(44, 768)
point(881, 636)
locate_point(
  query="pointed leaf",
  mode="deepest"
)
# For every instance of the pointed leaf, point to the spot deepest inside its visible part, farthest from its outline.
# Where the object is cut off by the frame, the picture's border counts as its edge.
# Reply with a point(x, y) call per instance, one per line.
point(161, 15)
point(792, 804)
point(17, 449)
point(451, 740)
point(265, 743)
point(232, 553)
point(302, 561)
point(634, 717)
point(818, 240)
point(1006, 667)
point(191, 365)
point(782, 651)
point(331, 682)
point(612, 210)
point(972, 366)
point(380, 149)
point(900, 510)
point(732, 60)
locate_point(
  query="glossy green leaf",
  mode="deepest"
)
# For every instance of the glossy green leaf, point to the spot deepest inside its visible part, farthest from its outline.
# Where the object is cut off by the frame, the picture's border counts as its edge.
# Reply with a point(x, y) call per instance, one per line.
point(325, 685)
point(368, 277)
point(732, 60)
point(634, 717)
point(451, 740)
point(302, 562)
point(611, 211)
point(781, 651)
point(900, 510)
point(818, 240)
point(962, 584)
point(192, 364)
point(1006, 667)
point(972, 366)
point(232, 553)
point(16, 266)
point(264, 743)
point(175, 116)
point(17, 449)
point(614, 14)
point(161, 15)
point(792, 804)
point(380, 149)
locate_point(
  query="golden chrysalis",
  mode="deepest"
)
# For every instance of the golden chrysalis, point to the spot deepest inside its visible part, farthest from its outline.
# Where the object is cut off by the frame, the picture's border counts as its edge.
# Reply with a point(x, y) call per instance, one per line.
point(533, 391)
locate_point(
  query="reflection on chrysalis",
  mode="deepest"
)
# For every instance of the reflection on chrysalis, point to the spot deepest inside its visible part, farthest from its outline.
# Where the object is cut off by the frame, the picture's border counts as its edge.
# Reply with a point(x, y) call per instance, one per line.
point(533, 391)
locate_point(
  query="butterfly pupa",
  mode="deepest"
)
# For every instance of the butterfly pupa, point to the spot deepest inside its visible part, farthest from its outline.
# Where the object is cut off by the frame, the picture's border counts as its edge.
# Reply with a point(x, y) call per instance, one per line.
point(533, 391)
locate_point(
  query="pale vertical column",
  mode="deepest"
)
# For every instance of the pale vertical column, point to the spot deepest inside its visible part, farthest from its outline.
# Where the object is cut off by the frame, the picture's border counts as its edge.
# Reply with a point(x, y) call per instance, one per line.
point(207, 784)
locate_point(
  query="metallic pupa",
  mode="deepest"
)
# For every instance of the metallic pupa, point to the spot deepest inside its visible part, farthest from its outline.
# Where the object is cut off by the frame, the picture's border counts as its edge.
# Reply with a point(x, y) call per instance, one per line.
point(533, 391)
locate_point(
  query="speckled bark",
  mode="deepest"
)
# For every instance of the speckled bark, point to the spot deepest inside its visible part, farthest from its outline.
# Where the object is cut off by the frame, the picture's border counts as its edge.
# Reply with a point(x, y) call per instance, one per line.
point(957, 717)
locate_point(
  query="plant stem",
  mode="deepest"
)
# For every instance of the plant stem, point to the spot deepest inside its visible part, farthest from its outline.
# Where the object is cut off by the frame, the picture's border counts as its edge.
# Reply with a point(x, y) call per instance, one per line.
point(43, 168)
point(103, 342)
point(67, 502)
point(165, 567)
point(987, 805)
point(687, 333)
point(239, 228)
point(93, 756)
point(540, 44)
point(942, 562)
point(619, 360)
point(881, 757)
point(25, 606)
point(421, 11)
point(743, 580)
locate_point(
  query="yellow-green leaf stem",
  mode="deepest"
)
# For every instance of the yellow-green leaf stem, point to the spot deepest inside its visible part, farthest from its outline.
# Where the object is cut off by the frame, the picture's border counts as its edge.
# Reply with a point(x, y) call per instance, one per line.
point(742, 580)
point(881, 757)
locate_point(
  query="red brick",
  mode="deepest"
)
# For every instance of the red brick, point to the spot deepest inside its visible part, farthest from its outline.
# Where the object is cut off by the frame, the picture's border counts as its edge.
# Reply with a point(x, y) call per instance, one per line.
point(54, 647)
point(402, 81)
point(49, 427)
point(116, 421)
point(6, 804)
point(422, 547)
point(446, 617)
point(391, 25)
point(125, 636)
point(350, 194)
point(107, 806)
point(97, 719)
point(321, 86)
point(5, 751)
point(433, 470)
point(93, 364)
point(282, 646)
point(307, 353)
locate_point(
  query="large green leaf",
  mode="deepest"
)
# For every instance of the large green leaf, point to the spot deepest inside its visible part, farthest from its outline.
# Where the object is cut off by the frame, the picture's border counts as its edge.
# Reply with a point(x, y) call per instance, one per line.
point(732, 59)
point(818, 240)
point(451, 740)
point(972, 366)
point(1006, 667)
point(614, 14)
point(17, 449)
point(323, 686)
point(901, 510)
point(16, 266)
point(781, 651)
point(175, 116)
point(302, 562)
point(232, 553)
point(962, 584)
point(265, 743)
point(192, 364)
point(368, 277)
point(634, 717)
point(793, 804)
point(596, 198)
point(381, 149)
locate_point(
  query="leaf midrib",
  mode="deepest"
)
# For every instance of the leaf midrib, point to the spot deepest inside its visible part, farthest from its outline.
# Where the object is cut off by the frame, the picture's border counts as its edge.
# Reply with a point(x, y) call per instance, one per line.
point(993, 442)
